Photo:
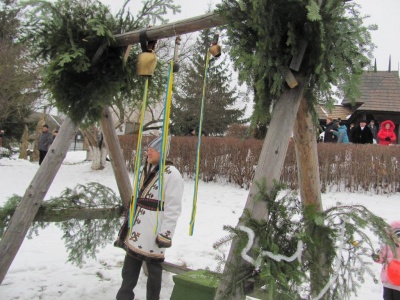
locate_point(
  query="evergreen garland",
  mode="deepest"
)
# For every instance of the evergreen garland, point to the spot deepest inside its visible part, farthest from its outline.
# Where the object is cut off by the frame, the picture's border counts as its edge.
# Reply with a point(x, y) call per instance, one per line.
point(84, 70)
point(265, 34)
point(278, 235)
point(286, 224)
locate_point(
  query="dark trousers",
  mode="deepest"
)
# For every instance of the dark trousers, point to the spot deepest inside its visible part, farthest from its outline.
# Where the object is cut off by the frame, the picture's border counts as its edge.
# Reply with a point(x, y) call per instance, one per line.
point(130, 276)
point(390, 294)
point(42, 154)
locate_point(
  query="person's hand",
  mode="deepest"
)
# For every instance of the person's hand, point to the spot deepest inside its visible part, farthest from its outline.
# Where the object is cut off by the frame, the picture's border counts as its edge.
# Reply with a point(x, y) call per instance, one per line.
point(163, 242)
point(387, 139)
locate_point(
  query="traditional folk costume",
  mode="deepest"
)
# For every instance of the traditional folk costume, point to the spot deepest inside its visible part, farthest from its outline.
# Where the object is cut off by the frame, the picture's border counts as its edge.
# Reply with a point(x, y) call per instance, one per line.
point(153, 227)
point(146, 230)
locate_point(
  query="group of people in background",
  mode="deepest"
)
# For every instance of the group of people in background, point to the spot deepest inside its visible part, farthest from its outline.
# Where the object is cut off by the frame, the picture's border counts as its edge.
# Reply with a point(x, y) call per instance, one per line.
point(336, 132)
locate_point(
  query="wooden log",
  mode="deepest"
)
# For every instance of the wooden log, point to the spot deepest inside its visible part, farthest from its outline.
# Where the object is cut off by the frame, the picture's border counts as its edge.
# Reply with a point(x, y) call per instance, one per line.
point(116, 157)
point(45, 214)
point(60, 215)
point(269, 167)
point(305, 140)
point(33, 197)
point(172, 29)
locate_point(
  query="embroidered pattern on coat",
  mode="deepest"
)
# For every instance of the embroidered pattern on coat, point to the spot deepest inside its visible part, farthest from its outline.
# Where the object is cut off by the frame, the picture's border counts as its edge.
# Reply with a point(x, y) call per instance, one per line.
point(135, 236)
point(167, 234)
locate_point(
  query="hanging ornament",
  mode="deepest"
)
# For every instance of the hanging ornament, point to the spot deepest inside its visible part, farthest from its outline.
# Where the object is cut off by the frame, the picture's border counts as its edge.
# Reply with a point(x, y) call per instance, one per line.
point(176, 54)
point(215, 49)
point(147, 60)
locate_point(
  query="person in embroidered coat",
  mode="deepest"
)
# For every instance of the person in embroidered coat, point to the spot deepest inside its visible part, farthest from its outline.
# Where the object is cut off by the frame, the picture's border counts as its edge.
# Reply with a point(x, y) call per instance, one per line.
point(386, 134)
point(385, 256)
point(374, 130)
point(153, 225)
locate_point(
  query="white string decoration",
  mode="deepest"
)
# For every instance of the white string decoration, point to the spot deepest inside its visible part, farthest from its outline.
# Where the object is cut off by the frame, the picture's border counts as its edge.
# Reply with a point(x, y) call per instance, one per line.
point(297, 255)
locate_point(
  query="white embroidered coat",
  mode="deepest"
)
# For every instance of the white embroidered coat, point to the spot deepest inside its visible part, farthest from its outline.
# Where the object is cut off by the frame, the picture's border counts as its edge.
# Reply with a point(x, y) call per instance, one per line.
point(141, 243)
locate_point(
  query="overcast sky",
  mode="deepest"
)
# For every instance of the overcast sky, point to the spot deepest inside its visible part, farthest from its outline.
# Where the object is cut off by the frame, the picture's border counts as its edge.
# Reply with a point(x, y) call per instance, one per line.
point(384, 13)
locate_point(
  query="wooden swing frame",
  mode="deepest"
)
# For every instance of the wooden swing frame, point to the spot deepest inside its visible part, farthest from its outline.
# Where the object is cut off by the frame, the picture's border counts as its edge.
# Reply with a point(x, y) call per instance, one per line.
point(291, 120)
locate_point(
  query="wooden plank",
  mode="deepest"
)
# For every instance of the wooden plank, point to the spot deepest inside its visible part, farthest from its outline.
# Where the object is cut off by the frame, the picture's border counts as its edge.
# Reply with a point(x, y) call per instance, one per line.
point(33, 197)
point(172, 268)
point(172, 29)
point(269, 167)
point(116, 157)
point(289, 77)
point(275, 146)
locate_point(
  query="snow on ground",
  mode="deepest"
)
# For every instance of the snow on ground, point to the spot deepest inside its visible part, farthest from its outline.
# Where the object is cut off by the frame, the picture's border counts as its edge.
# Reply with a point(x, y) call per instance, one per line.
point(40, 270)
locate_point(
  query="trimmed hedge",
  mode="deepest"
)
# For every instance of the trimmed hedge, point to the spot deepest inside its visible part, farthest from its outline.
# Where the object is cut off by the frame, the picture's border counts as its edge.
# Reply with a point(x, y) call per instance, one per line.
point(343, 167)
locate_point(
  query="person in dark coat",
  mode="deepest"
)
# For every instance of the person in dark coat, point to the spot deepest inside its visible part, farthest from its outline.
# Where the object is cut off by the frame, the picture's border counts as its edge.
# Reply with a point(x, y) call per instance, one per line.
point(55, 133)
point(44, 142)
point(362, 134)
point(374, 131)
point(329, 137)
point(1, 138)
point(192, 132)
point(351, 132)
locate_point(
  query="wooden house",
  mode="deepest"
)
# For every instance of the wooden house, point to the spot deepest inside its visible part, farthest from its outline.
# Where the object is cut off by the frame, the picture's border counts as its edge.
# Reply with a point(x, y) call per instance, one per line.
point(379, 101)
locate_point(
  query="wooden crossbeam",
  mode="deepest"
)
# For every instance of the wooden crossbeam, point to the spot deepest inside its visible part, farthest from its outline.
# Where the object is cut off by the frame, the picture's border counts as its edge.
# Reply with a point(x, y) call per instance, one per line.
point(172, 29)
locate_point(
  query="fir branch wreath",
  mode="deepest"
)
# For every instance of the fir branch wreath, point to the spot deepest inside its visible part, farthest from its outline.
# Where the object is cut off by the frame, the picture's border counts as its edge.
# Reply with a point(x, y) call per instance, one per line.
point(263, 35)
point(83, 70)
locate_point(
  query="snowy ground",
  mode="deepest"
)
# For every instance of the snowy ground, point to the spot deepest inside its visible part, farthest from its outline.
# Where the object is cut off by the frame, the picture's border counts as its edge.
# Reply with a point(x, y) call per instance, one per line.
point(40, 271)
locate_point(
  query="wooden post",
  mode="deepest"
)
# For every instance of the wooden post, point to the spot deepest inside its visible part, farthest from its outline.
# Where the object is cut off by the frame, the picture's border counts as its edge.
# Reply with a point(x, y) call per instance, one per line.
point(31, 201)
point(117, 159)
point(34, 195)
point(269, 166)
point(307, 157)
point(310, 190)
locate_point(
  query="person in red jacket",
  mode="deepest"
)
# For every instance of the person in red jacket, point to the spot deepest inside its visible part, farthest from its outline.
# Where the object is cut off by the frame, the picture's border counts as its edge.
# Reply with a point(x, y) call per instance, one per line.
point(391, 290)
point(386, 134)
